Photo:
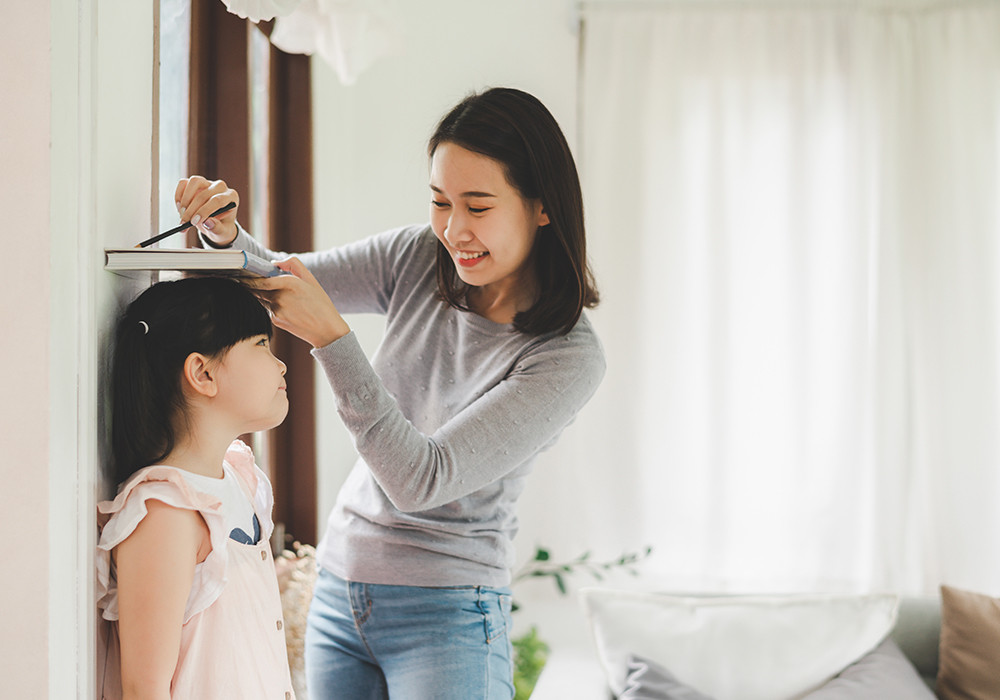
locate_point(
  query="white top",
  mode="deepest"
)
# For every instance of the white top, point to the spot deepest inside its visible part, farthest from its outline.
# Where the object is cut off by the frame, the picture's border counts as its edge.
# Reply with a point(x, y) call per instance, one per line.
point(236, 508)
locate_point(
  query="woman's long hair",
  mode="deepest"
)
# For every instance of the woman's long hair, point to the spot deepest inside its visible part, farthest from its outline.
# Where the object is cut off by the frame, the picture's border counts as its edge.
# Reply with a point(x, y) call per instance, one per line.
point(153, 338)
point(516, 130)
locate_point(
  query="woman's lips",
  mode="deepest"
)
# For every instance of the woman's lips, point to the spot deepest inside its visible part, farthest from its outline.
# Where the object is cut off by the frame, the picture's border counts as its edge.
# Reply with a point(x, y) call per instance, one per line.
point(470, 258)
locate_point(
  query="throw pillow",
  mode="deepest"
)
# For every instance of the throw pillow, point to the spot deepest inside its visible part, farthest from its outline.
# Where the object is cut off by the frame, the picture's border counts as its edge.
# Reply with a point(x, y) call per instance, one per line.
point(737, 647)
point(970, 646)
point(882, 673)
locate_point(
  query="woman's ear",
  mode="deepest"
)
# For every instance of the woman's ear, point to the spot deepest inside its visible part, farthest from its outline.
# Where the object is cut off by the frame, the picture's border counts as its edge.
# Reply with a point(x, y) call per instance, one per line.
point(543, 218)
point(199, 375)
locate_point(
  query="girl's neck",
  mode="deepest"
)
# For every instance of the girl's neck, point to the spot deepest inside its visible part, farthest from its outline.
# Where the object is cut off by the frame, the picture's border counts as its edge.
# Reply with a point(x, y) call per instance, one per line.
point(199, 454)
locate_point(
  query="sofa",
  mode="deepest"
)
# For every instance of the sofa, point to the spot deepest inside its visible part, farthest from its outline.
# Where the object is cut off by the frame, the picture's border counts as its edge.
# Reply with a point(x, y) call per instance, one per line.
point(892, 647)
point(945, 646)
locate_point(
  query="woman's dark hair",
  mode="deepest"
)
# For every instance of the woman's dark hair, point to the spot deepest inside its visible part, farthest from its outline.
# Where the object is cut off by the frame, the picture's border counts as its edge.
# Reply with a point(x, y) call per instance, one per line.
point(516, 130)
point(155, 335)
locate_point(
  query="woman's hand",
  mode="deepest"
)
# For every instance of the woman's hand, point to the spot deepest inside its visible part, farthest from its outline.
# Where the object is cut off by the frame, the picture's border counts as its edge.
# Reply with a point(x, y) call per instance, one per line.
point(197, 198)
point(299, 304)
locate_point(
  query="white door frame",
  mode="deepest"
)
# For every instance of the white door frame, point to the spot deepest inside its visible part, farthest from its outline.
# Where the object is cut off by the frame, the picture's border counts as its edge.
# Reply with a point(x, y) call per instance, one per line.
point(100, 195)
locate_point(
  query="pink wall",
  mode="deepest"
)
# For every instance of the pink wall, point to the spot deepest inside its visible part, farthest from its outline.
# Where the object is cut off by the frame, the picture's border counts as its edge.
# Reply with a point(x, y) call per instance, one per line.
point(24, 362)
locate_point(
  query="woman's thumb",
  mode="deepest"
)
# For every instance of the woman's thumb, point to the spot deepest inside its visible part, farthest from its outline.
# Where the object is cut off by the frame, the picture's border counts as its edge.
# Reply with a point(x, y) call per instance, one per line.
point(293, 265)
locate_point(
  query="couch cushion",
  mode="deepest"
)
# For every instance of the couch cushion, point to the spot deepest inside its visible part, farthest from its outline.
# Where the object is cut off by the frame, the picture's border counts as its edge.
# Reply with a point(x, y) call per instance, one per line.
point(737, 647)
point(970, 645)
point(647, 680)
point(882, 673)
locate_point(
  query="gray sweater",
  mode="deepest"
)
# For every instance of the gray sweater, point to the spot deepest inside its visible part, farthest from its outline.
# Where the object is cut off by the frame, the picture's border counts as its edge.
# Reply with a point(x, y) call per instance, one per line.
point(447, 418)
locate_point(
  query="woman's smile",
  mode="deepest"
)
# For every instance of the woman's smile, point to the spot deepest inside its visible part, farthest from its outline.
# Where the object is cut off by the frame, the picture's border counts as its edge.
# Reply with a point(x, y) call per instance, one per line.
point(470, 258)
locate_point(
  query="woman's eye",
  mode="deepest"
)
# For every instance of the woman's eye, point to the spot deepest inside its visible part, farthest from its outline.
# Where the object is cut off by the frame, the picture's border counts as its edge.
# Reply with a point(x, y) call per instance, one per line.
point(439, 205)
point(478, 210)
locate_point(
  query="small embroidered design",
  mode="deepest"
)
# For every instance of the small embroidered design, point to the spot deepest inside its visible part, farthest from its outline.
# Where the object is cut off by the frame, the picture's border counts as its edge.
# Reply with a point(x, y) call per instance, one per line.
point(239, 535)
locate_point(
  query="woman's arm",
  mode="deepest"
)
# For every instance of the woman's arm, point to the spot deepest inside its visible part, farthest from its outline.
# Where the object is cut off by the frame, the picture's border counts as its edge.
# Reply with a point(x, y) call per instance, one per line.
point(356, 276)
point(155, 568)
point(502, 428)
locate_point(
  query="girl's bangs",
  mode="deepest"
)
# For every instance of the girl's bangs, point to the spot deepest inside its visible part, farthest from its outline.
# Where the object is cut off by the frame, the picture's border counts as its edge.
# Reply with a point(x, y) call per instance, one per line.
point(236, 314)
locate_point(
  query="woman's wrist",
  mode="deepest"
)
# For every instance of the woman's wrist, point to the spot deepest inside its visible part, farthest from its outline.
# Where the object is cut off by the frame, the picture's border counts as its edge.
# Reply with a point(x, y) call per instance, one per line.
point(218, 246)
point(333, 331)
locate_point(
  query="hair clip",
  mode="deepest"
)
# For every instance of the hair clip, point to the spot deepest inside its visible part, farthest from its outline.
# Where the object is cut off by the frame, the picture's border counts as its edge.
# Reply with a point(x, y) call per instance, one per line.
point(145, 327)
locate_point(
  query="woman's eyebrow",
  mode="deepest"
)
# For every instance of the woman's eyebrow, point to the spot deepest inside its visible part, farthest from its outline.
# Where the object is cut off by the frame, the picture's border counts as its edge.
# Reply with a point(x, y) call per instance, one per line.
point(466, 194)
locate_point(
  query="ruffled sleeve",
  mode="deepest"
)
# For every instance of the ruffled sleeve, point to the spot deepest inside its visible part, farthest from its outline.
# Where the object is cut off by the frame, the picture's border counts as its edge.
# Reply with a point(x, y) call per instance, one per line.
point(117, 519)
point(240, 457)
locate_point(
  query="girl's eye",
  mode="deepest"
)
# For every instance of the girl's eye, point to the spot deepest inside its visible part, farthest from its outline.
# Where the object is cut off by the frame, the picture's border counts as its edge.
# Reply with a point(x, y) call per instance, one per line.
point(265, 341)
point(478, 210)
point(439, 205)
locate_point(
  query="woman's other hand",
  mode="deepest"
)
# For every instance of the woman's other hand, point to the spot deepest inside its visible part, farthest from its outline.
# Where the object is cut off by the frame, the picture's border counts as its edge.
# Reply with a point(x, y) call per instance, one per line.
point(197, 198)
point(299, 304)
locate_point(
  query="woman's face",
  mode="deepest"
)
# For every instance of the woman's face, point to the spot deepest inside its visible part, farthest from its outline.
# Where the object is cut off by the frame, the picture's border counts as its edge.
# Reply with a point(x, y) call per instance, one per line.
point(484, 223)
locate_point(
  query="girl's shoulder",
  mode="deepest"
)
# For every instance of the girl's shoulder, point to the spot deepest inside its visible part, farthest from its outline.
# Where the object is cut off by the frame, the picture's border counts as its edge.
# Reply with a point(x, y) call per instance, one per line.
point(167, 484)
point(118, 518)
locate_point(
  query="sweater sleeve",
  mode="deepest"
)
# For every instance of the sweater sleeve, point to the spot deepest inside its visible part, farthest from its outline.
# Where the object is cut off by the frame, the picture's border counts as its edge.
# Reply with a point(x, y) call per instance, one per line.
point(503, 428)
point(359, 276)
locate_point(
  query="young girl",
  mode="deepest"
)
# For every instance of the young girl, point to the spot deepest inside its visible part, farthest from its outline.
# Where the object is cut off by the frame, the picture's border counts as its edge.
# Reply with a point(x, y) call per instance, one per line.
point(185, 575)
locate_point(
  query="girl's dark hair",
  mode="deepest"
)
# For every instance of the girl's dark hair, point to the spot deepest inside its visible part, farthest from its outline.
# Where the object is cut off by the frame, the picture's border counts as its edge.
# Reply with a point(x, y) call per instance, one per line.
point(155, 335)
point(516, 130)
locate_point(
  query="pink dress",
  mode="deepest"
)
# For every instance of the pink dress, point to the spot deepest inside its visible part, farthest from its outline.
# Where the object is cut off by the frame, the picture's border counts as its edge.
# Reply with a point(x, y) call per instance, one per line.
point(232, 640)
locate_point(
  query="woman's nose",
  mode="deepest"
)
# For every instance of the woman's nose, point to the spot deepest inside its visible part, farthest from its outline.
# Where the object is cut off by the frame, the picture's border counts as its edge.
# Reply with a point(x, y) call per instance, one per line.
point(458, 229)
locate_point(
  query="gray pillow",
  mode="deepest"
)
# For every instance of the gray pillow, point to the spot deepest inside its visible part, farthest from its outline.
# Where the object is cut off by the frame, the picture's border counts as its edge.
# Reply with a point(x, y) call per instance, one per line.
point(882, 673)
point(647, 680)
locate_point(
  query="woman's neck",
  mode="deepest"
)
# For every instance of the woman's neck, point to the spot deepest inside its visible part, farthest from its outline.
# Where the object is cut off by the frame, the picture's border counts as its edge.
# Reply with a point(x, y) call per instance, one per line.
point(502, 301)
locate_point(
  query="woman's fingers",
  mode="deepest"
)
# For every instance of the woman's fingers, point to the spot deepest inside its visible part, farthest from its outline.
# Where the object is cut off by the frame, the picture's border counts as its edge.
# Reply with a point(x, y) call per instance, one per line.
point(299, 304)
point(197, 198)
point(295, 266)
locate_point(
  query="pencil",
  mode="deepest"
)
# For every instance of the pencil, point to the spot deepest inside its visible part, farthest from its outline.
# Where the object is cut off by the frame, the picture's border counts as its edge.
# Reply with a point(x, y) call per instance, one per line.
point(160, 236)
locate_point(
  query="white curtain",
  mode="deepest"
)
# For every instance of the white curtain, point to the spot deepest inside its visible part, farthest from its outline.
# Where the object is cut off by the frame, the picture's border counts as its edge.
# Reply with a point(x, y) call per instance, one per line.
point(793, 216)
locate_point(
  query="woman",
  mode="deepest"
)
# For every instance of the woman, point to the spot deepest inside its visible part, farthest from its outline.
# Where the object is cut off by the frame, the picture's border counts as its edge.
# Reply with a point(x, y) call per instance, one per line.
point(487, 356)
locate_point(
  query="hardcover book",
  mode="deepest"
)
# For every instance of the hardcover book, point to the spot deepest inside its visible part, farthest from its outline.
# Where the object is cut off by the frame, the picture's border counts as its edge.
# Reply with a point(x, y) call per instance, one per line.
point(232, 261)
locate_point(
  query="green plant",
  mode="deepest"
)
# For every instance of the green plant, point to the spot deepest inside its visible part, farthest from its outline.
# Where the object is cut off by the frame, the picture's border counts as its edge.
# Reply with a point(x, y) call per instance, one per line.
point(530, 651)
point(541, 565)
point(530, 655)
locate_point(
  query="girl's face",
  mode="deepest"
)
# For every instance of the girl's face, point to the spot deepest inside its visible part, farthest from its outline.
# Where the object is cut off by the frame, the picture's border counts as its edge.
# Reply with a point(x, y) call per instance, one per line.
point(483, 221)
point(252, 385)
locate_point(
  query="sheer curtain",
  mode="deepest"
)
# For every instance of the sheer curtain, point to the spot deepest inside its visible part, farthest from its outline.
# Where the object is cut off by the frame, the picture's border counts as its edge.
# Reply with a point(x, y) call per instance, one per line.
point(793, 216)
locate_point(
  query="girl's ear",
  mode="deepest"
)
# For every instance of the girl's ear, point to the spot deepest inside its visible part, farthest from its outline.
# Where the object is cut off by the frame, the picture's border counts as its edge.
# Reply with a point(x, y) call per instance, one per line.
point(199, 374)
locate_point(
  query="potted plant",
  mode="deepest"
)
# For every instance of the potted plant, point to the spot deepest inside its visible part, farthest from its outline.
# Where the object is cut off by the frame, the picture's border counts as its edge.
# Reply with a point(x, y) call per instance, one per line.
point(530, 651)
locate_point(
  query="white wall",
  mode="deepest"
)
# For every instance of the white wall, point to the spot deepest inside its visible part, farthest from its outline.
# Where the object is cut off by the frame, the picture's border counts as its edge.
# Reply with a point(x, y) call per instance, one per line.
point(24, 199)
point(76, 145)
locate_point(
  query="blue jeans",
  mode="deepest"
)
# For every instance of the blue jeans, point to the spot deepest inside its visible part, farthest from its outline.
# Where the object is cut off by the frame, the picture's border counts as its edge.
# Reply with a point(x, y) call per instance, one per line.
point(373, 642)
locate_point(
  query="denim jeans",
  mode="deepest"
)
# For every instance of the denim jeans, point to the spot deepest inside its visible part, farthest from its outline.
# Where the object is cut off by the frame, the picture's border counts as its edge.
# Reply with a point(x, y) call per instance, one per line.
point(372, 642)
